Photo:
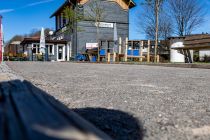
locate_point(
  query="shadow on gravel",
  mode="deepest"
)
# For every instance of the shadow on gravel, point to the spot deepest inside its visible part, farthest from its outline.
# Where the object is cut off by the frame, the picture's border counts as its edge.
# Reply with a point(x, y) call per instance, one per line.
point(29, 113)
point(117, 124)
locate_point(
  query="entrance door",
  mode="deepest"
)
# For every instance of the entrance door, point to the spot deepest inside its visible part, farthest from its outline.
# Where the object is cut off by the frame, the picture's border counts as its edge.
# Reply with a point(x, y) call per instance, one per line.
point(61, 53)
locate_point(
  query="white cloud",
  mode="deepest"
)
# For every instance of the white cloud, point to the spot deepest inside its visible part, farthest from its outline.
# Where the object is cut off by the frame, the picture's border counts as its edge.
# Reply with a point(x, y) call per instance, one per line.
point(38, 3)
point(6, 10)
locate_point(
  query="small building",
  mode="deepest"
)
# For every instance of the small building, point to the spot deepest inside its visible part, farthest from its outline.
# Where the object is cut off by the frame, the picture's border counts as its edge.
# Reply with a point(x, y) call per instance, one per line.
point(175, 55)
point(114, 12)
point(56, 50)
point(13, 49)
point(182, 48)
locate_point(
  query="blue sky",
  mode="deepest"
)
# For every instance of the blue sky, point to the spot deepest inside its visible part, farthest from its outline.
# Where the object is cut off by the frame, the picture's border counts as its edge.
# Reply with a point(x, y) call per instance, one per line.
point(136, 33)
point(22, 16)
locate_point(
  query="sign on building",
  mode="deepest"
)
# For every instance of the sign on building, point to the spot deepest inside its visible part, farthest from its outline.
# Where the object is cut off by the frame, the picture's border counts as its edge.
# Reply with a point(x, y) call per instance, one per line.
point(105, 25)
point(91, 45)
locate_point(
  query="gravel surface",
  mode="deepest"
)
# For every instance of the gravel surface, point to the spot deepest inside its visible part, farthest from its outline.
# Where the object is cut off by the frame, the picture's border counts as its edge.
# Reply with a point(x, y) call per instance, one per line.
point(129, 101)
point(7, 74)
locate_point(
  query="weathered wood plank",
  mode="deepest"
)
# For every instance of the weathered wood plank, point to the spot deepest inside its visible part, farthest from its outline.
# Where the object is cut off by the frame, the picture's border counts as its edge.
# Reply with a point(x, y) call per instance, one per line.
point(12, 127)
point(79, 122)
point(41, 117)
point(1, 116)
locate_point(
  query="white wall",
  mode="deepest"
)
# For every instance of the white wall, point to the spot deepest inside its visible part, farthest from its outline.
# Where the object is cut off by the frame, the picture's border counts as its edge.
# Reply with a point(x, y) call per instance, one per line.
point(176, 56)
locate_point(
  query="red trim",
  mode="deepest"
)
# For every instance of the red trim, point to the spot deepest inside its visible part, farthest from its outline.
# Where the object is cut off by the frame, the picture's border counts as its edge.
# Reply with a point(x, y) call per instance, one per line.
point(1, 39)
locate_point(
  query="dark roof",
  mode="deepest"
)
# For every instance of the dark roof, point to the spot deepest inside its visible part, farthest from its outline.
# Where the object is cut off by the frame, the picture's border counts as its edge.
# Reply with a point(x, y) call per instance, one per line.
point(195, 42)
point(175, 37)
point(37, 40)
point(132, 4)
point(60, 8)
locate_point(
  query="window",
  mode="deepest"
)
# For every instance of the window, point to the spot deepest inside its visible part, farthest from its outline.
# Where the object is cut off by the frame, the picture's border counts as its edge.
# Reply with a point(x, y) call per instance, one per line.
point(50, 49)
point(64, 21)
point(35, 48)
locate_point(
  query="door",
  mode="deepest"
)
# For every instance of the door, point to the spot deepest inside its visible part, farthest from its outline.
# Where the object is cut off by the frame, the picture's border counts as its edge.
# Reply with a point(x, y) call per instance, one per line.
point(60, 53)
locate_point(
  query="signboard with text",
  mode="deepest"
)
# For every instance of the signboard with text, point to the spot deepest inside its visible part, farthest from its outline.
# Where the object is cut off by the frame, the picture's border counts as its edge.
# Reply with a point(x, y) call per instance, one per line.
point(91, 45)
point(104, 24)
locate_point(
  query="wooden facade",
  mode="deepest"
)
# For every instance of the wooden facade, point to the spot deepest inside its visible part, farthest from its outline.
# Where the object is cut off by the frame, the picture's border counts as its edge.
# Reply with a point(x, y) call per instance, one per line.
point(77, 40)
point(197, 42)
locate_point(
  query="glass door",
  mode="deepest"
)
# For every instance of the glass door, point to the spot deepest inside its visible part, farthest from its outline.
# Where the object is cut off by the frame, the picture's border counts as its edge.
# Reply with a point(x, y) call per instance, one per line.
point(61, 53)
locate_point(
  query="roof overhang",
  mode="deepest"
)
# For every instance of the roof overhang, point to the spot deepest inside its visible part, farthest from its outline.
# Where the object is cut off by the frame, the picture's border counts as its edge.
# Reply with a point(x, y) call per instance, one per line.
point(129, 3)
point(37, 40)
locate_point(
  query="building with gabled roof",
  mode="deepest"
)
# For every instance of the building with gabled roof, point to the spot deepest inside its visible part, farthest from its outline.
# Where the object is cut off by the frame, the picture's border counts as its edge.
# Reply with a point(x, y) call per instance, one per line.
point(115, 11)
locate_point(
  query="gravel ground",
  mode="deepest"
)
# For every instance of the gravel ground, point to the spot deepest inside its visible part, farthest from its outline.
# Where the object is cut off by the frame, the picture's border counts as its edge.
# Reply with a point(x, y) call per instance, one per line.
point(129, 101)
point(7, 74)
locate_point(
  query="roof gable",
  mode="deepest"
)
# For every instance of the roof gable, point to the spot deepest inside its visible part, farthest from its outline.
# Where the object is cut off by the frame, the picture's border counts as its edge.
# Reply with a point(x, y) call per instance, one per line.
point(124, 4)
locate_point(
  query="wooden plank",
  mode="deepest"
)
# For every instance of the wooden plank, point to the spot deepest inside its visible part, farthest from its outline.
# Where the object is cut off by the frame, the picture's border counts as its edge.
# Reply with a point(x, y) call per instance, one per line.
point(12, 127)
point(40, 119)
point(131, 56)
point(126, 50)
point(2, 118)
point(70, 115)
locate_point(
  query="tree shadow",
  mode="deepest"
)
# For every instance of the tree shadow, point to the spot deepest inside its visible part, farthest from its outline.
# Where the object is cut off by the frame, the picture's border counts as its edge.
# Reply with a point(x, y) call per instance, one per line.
point(29, 113)
point(117, 124)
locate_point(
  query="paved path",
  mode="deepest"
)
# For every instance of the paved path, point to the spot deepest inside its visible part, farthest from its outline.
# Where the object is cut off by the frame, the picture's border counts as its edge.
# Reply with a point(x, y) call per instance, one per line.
point(168, 103)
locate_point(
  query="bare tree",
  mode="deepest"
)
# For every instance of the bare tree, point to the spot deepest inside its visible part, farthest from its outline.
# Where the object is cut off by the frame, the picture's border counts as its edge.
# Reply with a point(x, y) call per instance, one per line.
point(147, 22)
point(96, 13)
point(187, 15)
point(155, 6)
point(37, 32)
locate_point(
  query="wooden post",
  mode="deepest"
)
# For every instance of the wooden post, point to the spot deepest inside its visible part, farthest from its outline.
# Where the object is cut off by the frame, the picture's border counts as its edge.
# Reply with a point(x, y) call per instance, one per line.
point(68, 52)
point(141, 44)
point(98, 52)
point(108, 57)
point(106, 53)
point(148, 51)
point(158, 58)
point(90, 58)
point(120, 45)
point(126, 49)
point(114, 57)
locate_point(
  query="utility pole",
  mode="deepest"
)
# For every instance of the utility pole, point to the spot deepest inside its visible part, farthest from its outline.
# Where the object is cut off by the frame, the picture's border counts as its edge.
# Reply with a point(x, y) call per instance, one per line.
point(157, 9)
point(1, 40)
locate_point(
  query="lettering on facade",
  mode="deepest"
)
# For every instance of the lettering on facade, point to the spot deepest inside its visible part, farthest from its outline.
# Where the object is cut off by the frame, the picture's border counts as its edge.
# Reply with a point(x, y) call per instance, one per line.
point(91, 45)
point(105, 25)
